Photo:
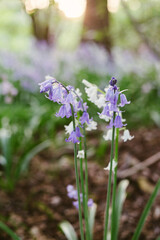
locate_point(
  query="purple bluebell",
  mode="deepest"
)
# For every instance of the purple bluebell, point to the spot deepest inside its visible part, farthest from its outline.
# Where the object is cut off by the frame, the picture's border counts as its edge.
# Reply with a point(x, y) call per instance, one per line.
point(46, 85)
point(64, 111)
point(78, 132)
point(70, 98)
point(51, 93)
point(118, 122)
point(106, 111)
point(123, 100)
point(85, 106)
point(73, 194)
point(82, 106)
point(69, 87)
point(90, 202)
point(115, 99)
point(79, 106)
point(110, 124)
point(76, 204)
point(113, 81)
point(110, 94)
point(57, 94)
point(84, 118)
point(70, 188)
point(73, 138)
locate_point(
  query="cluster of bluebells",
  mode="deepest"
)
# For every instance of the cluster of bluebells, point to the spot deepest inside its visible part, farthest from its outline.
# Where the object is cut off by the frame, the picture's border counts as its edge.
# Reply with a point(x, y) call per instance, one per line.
point(108, 100)
point(112, 106)
point(72, 193)
point(68, 97)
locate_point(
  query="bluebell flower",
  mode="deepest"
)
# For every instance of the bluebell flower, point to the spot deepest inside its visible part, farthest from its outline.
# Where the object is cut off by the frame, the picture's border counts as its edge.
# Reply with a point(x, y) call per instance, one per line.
point(106, 111)
point(110, 124)
point(58, 94)
point(84, 118)
point(70, 99)
point(113, 81)
point(78, 133)
point(115, 98)
point(118, 122)
point(46, 85)
point(111, 108)
point(64, 111)
point(123, 100)
point(51, 93)
point(70, 188)
point(69, 87)
point(73, 138)
point(76, 204)
point(73, 194)
point(110, 95)
point(90, 202)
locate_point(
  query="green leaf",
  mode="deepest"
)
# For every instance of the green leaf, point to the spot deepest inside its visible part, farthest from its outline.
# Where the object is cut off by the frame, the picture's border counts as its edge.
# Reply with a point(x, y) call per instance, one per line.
point(68, 230)
point(24, 162)
point(146, 212)
point(120, 198)
point(6, 229)
point(91, 218)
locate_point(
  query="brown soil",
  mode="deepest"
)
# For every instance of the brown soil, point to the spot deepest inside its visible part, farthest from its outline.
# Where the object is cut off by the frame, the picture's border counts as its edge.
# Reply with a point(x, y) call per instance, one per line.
point(39, 202)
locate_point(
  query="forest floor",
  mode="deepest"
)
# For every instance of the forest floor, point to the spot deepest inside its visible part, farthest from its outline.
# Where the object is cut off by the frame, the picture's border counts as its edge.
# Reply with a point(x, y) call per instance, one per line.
point(39, 202)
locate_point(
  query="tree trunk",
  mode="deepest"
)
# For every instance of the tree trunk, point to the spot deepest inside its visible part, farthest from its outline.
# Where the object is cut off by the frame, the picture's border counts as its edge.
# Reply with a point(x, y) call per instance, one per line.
point(96, 23)
point(41, 26)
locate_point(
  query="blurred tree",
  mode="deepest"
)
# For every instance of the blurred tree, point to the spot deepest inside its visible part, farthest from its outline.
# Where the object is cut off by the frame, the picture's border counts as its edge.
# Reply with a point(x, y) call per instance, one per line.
point(96, 23)
point(40, 23)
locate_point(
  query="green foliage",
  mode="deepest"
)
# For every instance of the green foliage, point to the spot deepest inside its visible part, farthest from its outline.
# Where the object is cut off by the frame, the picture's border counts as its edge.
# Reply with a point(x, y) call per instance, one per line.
point(6, 229)
point(68, 230)
point(91, 219)
point(13, 168)
point(146, 212)
point(14, 22)
point(144, 96)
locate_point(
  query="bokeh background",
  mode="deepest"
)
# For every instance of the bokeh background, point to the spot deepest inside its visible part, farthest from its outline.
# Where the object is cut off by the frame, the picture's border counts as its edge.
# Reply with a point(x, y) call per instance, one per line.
point(72, 41)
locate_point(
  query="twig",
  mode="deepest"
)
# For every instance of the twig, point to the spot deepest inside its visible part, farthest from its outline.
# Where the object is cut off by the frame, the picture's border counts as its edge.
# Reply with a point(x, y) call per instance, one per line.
point(140, 166)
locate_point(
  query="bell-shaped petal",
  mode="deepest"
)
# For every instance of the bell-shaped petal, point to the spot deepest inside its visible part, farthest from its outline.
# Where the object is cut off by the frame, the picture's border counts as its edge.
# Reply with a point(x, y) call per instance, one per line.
point(123, 100)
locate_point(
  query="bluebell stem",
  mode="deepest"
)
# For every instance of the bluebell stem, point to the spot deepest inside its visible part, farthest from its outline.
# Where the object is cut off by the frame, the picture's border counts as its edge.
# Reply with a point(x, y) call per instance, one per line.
point(72, 105)
point(112, 96)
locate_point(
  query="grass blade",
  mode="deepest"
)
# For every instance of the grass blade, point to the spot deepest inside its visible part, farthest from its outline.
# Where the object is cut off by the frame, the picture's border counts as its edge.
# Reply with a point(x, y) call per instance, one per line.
point(91, 218)
point(6, 229)
point(146, 212)
point(68, 230)
point(28, 157)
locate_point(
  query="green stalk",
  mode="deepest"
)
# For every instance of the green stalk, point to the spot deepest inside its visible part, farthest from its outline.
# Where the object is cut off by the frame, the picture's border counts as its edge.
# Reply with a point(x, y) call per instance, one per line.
point(77, 180)
point(86, 182)
point(86, 165)
point(109, 184)
point(146, 212)
point(84, 195)
point(114, 227)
